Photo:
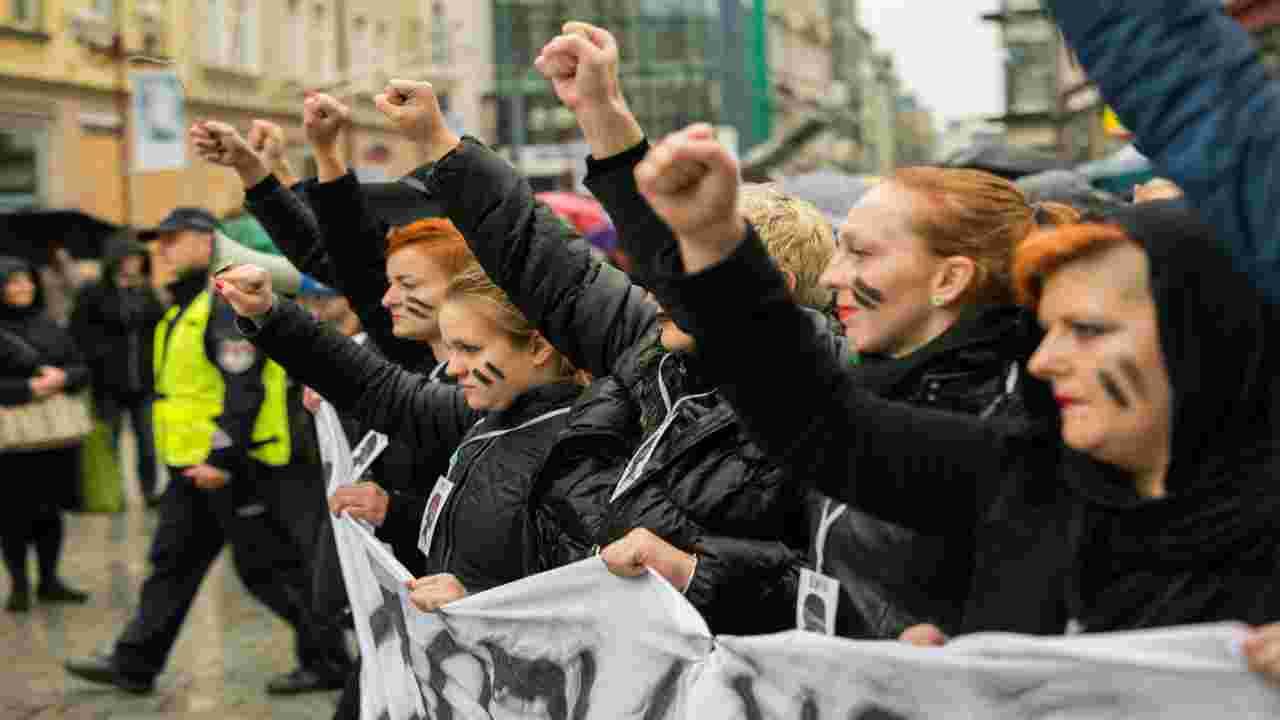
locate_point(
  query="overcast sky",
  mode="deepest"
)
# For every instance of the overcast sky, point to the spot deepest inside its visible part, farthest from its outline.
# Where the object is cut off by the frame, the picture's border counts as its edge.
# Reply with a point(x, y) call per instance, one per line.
point(944, 52)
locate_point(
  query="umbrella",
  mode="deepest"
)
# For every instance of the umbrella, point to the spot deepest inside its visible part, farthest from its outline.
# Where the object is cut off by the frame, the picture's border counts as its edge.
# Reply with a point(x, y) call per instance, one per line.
point(1119, 171)
point(33, 234)
point(1068, 187)
point(832, 192)
point(582, 212)
point(1007, 161)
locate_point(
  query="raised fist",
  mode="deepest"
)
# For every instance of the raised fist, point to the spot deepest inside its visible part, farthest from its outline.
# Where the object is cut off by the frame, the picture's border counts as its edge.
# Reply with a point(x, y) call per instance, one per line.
point(247, 288)
point(323, 120)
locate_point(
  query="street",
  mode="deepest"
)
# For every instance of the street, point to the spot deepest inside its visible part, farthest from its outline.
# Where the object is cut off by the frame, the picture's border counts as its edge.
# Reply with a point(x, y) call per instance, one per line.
point(229, 646)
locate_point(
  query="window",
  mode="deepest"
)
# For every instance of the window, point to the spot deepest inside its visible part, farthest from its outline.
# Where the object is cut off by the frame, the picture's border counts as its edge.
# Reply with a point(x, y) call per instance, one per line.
point(321, 45)
point(441, 43)
point(1032, 77)
point(233, 41)
point(380, 55)
point(104, 8)
point(24, 13)
point(411, 50)
point(21, 167)
point(296, 33)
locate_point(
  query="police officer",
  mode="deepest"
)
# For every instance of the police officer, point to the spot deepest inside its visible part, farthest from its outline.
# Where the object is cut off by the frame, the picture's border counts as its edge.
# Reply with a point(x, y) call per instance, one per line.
point(222, 429)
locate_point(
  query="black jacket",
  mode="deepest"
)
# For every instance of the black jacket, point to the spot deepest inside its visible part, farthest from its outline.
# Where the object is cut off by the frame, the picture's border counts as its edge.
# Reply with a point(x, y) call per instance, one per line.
point(17, 357)
point(487, 534)
point(328, 230)
point(892, 577)
point(707, 488)
point(1052, 534)
point(29, 332)
point(116, 329)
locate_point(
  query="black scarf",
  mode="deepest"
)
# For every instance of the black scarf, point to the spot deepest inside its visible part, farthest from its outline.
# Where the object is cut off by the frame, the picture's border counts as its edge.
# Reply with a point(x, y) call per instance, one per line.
point(1192, 555)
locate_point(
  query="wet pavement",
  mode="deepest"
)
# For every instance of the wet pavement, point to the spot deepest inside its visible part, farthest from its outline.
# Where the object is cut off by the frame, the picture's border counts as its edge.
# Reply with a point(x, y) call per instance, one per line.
point(229, 647)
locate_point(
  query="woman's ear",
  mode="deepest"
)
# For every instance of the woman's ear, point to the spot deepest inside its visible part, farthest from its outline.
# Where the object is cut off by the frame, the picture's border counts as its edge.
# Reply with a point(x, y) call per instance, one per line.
point(954, 276)
point(542, 350)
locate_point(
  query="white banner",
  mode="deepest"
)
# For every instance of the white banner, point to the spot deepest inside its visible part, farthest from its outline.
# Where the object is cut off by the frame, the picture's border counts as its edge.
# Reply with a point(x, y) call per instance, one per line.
point(157, 123)
point(578, 643)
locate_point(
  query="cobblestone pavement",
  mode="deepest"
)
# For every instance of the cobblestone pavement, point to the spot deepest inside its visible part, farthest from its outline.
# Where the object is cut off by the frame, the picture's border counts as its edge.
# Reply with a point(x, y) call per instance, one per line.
point(228, 648)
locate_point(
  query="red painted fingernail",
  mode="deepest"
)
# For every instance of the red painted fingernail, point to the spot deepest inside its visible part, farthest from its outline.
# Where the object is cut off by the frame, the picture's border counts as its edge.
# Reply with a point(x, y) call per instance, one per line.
point(218, 284)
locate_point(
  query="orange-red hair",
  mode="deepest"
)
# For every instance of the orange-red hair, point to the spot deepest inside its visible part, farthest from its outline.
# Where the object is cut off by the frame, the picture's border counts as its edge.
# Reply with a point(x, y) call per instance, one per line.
point(975, 214)
point(1045, 251)
point(437, 238)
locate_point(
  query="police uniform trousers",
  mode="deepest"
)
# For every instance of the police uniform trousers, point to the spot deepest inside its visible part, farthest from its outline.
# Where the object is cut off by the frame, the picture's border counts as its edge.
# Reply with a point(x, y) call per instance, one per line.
point(194, 525)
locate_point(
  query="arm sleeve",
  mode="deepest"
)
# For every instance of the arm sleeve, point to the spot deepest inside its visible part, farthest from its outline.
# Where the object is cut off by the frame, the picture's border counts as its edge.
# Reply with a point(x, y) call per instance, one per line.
point(404, 517)
point(288, 219)
point(642, 235)
point(356, 241)
point(734, 571)
point(375, 391)
point(827, 430)
point(1187, 80)
point(241, 368)
point(588, 309)
point(17, 357)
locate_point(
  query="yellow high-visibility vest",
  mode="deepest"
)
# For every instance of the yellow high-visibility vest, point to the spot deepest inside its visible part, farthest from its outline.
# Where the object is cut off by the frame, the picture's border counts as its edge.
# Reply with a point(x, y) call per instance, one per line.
point(190, 393)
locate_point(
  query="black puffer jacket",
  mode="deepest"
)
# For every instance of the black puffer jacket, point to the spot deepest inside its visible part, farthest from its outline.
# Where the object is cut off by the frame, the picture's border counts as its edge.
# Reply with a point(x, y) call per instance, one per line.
point(329, 228)
point(53, 345)
point(707, 488)
point(1054, 534)
point(892, 577)
point(17, 357)
point(116, 328)
point(488, 528)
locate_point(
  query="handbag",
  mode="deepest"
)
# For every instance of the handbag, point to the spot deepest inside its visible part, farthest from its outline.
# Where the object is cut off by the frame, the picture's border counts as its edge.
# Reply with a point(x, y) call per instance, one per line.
point(58, 421)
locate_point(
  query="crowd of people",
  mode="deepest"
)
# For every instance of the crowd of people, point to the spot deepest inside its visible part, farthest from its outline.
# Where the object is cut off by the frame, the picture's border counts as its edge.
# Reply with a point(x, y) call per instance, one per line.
point(972, 409)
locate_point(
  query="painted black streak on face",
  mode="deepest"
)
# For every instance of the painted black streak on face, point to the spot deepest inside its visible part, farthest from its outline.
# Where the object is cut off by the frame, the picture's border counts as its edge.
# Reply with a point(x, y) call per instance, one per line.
point(1109, 384)
point(417, 308)
point(875, 712)
point(866, 295)
point(1129, 367)
point(482, 377)
point(495, 370)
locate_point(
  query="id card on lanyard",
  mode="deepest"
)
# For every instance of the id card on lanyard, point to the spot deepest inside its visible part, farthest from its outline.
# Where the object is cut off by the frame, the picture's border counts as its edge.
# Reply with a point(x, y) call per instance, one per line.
point(445, 486)
point(819, 595)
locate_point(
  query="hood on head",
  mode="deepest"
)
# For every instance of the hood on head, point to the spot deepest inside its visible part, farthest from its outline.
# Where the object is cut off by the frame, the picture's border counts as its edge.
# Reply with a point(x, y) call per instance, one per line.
point(120, 246)
point(1220, 340)
point(10, 265)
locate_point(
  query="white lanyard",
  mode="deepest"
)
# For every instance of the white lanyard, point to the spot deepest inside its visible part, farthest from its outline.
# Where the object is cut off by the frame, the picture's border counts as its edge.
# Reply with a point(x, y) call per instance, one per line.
point(499, 433)
point(435, 372)
point(640, 459)
point(824, 528)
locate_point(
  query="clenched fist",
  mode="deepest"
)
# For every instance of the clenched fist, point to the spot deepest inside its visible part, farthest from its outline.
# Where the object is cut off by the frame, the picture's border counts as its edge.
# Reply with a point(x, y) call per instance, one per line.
point(413, 108)
point(247, 288)
point(692, 182)
point(364, 501)
point(433, 592)
point(323, 119)
point(220, 144)
point(641, 549)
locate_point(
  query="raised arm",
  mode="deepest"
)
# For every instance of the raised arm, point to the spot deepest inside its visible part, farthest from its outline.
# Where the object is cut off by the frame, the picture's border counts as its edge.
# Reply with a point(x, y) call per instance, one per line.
point(589, 310)
point(582, 65)
point(1187, 80)
point(360, 383)
point(921, 469)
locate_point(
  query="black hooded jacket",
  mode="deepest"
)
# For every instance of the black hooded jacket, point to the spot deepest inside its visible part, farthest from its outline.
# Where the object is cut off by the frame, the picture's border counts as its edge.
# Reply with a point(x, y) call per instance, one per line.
point(707, 488)
point(116, 327)
point(1054, 534)
point(32, 333)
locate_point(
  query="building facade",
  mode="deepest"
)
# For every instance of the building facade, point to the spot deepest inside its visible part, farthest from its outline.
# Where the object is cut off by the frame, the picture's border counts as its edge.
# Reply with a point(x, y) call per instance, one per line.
point(1033, 50)
point(670, 59)
point(65, 103)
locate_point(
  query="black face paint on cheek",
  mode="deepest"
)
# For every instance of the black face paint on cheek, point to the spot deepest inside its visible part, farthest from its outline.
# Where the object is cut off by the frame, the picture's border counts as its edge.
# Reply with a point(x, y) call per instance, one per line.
point(482, 377)
point(495, 370)
point(417, 308)
point(867, 296)
point(1113, 389)
point(1129, 367)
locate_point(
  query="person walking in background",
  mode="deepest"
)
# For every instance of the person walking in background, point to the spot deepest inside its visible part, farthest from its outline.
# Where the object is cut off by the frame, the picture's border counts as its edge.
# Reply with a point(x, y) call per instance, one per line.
point(60, 368)
point(222, 428)
point(114, 321)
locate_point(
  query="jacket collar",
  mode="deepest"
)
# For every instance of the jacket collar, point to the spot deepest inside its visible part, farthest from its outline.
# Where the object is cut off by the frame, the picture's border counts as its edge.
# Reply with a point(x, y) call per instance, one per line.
point(533, 402)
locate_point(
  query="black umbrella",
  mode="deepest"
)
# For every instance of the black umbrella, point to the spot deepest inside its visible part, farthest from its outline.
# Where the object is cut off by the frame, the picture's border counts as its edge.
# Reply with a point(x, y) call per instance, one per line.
point(1007, 161)
point(35, 234)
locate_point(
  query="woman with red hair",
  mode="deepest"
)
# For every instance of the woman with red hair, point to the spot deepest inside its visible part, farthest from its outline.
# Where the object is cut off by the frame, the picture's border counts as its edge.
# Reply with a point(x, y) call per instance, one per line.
point(1155, 503)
